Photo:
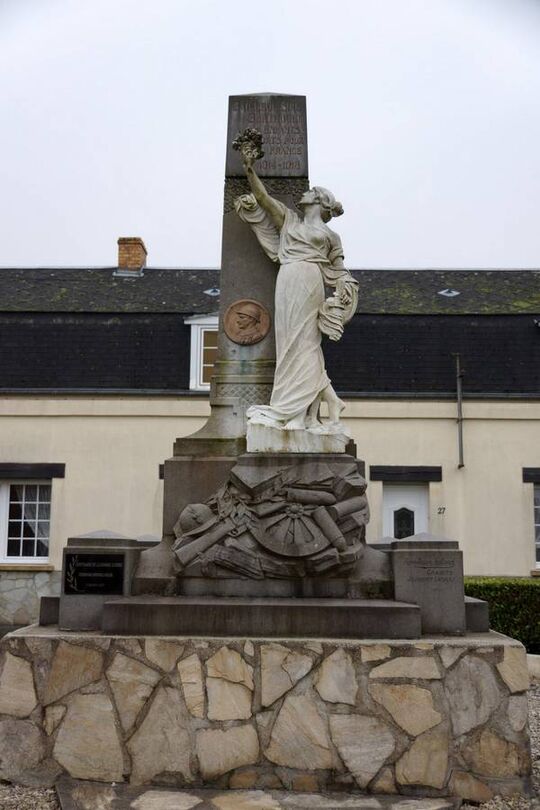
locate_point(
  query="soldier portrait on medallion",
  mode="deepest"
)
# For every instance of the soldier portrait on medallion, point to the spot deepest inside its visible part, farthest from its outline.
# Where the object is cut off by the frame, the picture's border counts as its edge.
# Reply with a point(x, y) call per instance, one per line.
point(246, 322)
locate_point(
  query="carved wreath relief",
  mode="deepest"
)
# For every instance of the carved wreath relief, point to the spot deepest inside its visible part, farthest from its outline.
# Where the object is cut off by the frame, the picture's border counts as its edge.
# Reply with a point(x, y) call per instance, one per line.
point(293, 521)
point(246, 322)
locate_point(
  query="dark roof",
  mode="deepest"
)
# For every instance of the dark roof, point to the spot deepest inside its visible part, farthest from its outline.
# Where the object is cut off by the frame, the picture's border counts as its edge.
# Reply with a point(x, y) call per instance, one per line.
point(182, 290)
point(98, 289)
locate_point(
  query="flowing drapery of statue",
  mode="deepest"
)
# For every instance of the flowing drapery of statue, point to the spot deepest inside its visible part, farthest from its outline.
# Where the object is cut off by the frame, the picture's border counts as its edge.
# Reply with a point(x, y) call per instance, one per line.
point(310, 256)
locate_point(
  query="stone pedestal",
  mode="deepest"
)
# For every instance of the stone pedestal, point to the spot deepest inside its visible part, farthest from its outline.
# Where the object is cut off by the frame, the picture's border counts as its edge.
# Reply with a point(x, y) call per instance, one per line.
point(443, 717)
point(266, 439)
point(428, 571)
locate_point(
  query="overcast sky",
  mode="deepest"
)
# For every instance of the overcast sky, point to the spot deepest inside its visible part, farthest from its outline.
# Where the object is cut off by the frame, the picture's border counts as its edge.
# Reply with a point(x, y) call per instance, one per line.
point(423, 118)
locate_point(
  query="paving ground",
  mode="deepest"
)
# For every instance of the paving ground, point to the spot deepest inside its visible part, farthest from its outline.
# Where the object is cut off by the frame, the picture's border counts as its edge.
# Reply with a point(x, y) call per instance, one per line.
point(85, 796)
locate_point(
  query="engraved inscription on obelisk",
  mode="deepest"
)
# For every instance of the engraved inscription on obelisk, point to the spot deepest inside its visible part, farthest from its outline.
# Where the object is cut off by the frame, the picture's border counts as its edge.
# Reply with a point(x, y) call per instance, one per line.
point(281, 120)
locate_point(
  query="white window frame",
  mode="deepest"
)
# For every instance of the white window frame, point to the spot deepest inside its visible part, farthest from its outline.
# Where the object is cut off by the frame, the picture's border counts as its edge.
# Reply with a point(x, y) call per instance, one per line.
point(536, 526)
point(199, 324)
point(4, 518)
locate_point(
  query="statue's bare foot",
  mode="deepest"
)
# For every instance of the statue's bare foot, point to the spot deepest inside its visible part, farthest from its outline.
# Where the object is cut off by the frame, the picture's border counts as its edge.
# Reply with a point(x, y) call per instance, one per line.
point(312, 422)
point(298, 423)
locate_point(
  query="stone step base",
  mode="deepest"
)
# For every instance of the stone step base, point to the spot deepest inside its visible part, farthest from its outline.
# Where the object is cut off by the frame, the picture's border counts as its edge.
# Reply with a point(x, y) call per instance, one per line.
point(78, 795)
point(283, 618)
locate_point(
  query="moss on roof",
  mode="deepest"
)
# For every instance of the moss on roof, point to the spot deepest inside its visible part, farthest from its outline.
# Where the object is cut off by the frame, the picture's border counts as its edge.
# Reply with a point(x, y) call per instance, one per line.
point(403, 292)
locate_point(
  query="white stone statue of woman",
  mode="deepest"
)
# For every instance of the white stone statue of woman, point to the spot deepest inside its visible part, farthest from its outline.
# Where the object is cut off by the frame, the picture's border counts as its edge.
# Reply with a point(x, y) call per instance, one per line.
point(310, 256)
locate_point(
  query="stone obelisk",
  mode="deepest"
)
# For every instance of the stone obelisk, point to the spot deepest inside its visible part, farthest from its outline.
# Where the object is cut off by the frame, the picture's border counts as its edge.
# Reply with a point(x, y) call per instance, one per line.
point(244, 370)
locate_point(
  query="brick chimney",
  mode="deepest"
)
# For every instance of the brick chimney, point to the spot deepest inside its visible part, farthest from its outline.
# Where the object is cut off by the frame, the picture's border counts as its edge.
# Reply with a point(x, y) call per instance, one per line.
point(131, 253)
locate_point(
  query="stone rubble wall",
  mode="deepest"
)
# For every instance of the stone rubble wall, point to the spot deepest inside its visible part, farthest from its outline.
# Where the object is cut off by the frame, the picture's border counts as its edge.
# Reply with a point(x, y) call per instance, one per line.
point(434, 717)
point(20, 592)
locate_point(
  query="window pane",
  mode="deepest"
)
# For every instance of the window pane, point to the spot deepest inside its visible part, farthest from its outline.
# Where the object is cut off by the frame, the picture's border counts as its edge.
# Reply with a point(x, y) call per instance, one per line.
point(16, 492)
point(44, 511)
point(14, 528)
point(207, 373)
point(42, 549)
point(15, 511)
point(43, 529)
point(210, 337)
point(209, 356)
point(29, 529)
point(30, 492)
point(13, 548)
point(44, 492)
point(30, 511)
point(28, 548)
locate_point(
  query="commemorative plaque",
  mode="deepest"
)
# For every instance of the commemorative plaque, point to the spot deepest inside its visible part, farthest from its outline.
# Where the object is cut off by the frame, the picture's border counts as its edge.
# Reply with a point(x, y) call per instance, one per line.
point(94, 574)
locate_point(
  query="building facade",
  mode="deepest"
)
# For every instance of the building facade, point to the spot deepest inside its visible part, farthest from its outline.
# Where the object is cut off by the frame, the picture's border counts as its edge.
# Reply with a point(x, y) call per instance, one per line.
point(101, 369)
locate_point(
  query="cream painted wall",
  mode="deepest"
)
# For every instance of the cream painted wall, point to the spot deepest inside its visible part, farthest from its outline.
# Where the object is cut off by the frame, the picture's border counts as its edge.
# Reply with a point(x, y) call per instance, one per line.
point(112, 447)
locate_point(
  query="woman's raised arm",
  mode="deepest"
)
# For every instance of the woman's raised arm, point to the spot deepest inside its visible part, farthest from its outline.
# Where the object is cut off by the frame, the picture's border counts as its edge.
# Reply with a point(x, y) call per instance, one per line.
point(271, 206)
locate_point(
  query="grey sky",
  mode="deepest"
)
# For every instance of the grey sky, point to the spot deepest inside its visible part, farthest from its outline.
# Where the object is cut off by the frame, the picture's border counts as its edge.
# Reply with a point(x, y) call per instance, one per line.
point(423, 118)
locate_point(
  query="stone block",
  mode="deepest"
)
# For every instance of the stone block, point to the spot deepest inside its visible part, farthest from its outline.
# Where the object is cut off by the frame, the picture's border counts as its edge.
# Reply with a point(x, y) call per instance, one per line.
point(162, 742)
point(429, 572)
point(220, 751)
point(22, 748)
point(87, 745)
point(476, 615)
point(513, 669)
point(300, 737)
point(72, 667)
point(190, 672)
point(410, 706)
point(335, 680)
point(409, 667)
point(227, 701)
point(472, 693)
point(49, 609)
point(491, 755)
point(131, 683)
point(17, 692)
point(426, 761)
point(364, 744)
point(281, 669)
point(270, 618)
point(163, 653)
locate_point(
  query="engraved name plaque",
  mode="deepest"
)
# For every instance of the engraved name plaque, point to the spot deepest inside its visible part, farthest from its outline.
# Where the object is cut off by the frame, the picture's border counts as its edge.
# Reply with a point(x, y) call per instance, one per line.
point(94, 574)
point(282, 122)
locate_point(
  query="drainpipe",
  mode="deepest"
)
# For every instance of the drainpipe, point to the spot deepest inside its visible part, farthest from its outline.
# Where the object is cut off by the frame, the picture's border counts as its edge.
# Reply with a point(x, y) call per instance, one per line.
point(459, 420)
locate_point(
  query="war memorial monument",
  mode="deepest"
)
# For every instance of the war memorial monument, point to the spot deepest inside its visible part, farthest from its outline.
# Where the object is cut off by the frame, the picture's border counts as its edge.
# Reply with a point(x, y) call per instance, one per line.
point(263, 644)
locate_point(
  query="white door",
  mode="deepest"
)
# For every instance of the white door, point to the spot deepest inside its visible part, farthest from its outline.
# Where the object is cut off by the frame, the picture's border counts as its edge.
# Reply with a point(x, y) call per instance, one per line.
point(405, 509)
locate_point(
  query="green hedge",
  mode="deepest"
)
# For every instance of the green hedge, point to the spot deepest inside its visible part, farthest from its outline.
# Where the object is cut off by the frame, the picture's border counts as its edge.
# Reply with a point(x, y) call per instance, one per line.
point(514, 606)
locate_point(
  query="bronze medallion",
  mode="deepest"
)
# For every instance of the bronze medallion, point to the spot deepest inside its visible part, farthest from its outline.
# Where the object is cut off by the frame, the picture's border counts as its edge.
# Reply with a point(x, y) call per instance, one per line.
point(246, 322)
